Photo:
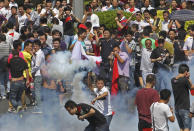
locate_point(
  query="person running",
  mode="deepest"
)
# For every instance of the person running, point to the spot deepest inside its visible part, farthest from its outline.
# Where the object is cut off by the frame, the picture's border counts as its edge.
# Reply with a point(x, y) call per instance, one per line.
point(97, 121)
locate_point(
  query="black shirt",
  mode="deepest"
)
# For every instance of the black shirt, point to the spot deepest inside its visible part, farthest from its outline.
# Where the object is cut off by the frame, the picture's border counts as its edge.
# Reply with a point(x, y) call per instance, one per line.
point(179, 54)
point(106, 48)
point(156, 53)
point(95, 119)
point(68, 25)
point(180, 89)
point(17, 65)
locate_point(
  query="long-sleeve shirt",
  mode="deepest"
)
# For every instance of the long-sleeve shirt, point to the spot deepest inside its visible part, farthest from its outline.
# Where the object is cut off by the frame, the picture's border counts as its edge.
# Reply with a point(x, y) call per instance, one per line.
point(37, 61)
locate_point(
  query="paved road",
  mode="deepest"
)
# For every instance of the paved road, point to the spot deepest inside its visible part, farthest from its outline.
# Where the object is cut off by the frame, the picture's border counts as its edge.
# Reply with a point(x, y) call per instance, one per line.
point(3, 106)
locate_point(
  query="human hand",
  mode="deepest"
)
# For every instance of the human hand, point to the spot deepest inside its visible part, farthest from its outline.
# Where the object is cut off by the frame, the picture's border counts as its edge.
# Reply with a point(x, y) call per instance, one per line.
point(159, 58)
point(81, 118)
point(116, 19)
point(93, 101)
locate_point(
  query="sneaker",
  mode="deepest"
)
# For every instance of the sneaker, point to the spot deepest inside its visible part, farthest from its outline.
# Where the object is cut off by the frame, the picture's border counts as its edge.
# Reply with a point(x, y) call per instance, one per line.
point(11, 110)
point(19, 108)
point(3, 97)
point(37, 110)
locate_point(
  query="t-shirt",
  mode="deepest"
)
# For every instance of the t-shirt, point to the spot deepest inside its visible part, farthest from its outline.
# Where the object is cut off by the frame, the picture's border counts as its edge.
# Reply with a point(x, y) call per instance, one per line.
point(146, 64)
point(103, 105)
point(28, 59)
point(160, 113)
point(156, 53)
point(68, 25)
point(144, 99)
point(96, 119)
point(180, 89)
point(17, 65)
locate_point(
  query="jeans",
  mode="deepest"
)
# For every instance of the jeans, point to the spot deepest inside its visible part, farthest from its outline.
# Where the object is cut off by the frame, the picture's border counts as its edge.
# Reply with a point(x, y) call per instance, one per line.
point(184, 121)
point(38, 86)
point(68, 40)
point(16, 90)
point(109, 119)
point(131, 77)
point(92, 127)
point(3, 81)
point(123, 84)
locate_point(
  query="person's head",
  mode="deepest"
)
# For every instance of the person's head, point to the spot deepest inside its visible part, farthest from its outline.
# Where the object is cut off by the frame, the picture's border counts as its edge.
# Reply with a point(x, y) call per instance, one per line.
point(1, 4)
point(134, 28)
point(89, 26)
point(162, 34)
point(21, 9)
point(39, 7)
point(15, 53)
point(146, 14)
point(25, 30)
point(58, 3)
point(162, 2)
point(37, 45)
point(165, 95)
point(17, 44)
point(129, 35)
point(183, 69)
point(100, 83)
point(28, 45)
point(43, 38)
point(147, 31)
point(49, 4)
point(151, 79)
point(161, 43)
point(102, 27)
point(2, 38)
point(174, 4)
point(132, 3)
point(67, 10)
point(108, 2)
point(35, 33)
point(13, 10)
point(146, 3)
point(148, 44)
point(82, 33)
point(88, 9)
point(119, 14)
point(71, 107)
point(30, 36)
point(12, 1)
point(138, 15)
point(56, 43)
point(9, 25)
point(172, 34)
point(115, 3)
point(153, 13)
point(56, 34)
point(28, 8)
point(166, 15)
point(64, 3)
point(184, 5)
point(116, 49)
point(94, 3)
point(107, 34)
point(126, 6)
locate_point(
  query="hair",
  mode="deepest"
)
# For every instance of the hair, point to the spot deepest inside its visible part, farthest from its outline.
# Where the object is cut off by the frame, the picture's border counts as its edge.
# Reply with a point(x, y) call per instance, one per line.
point(139, 12)
point(70, 104)
point(116, 46)
point(163, 34)
point(55, 32)
point(47, 29)
point(106, 29)
point(67, 8)
point(43, 20)
point(28, 6)
point(161, 41)
point(166, 12)
point(183, 68)
point(146, 11)
point(150, 78)
point(16, 44)
point(129, 32)
point(81, 31)
point(100, 79)
point(15, 52)
point(41, 34)
point(37, 42)
point(165, 94)
point(27, 42)
point(148, 40)
point(14, 7)
point(147, 30)
point(88, 7)
point(24, 29)
point(172, 30)
point(2, 37)
point(29, 35)
point(57, 39)
point(153, 12)
point(9, 25)
point(136, 26)
point(88, 25)
point(55, 21)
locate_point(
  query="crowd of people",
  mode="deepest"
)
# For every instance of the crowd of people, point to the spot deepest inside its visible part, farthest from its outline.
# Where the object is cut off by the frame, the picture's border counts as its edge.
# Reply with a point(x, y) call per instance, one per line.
point(139, 54)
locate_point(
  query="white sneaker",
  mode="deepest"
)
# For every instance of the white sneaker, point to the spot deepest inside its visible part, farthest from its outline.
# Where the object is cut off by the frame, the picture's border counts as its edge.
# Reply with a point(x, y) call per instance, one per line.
point(19, 108)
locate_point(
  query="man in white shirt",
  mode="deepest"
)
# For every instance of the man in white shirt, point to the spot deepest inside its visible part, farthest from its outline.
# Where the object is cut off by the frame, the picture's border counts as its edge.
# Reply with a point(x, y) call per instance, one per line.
point(37, 61)
point(165, 22)
point(189, 45)
point(147, 19)
point(21, 16)
point(147, 6)
point(132, 8)
point(107, 7)
point(102, 101)
point(161, 112)
point(146, 64)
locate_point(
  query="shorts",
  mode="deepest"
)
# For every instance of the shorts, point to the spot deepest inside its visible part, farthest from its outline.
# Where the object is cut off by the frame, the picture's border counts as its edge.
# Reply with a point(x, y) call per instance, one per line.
point(184, 121)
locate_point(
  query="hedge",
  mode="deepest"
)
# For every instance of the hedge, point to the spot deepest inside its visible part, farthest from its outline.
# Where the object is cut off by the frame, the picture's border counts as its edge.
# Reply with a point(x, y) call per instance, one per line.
point(108, 18)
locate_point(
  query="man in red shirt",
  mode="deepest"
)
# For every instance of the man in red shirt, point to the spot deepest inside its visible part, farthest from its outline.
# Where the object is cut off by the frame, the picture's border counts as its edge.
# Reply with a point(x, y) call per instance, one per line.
point(144, 99)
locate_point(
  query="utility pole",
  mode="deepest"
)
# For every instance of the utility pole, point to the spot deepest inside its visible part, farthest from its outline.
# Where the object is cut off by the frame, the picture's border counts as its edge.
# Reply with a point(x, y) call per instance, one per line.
point(78, 8)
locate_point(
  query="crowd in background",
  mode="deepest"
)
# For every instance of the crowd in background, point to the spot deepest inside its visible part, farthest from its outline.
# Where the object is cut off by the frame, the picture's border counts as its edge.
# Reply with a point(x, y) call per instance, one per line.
point(142, 44)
